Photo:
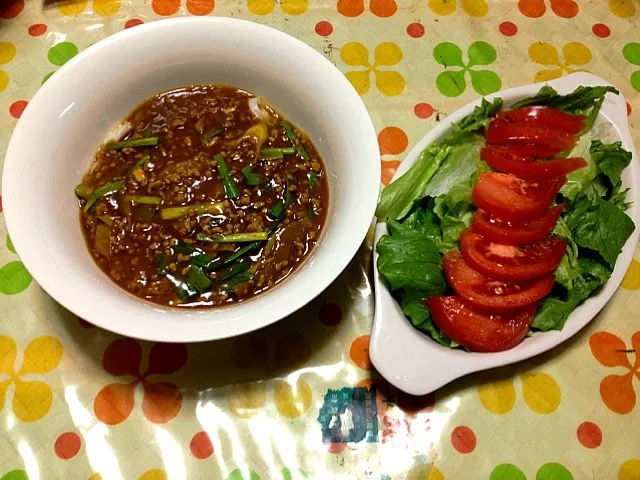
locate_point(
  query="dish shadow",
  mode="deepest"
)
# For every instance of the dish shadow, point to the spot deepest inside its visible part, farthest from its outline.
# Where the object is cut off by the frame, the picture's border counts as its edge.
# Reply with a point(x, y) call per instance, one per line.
point(507, 372)
point(300, 342)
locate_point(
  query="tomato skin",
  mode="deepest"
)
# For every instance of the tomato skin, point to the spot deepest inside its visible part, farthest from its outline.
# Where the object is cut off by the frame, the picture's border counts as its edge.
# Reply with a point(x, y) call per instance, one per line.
point(508, 262)
point(505, 133)
point(528, 170)
point(530, 151)
point(511, 198)
point(492, 295)
point(548, 116)
point(477, 330)
point(515, 233)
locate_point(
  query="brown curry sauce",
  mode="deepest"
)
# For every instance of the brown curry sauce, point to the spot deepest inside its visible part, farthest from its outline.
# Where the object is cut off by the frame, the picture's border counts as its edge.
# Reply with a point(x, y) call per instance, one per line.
point(281, 203)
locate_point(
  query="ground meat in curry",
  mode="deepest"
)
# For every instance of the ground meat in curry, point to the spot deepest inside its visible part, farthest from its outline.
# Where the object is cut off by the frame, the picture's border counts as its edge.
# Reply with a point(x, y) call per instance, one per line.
point(209, 198)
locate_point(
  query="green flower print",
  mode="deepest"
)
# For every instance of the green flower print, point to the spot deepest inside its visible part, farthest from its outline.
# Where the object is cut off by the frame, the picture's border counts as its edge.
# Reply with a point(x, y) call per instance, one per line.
point(60, 54)
point(549, 471)
point(452, 83)
point(631, 52)
point(14, 277)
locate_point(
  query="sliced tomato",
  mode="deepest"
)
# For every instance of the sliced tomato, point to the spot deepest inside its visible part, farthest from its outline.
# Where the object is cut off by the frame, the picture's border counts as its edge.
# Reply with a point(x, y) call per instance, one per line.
point(548, 116)
point(527, 170)
point(511, 198)
point(504, 133)
point(530, 151)
point(490, 294)
point(515, 233)
point(477, 330)
point(512, 262)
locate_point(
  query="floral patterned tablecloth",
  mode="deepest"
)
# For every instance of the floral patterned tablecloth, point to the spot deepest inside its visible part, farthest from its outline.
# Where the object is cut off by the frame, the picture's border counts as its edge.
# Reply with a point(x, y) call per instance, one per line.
point(300, 399)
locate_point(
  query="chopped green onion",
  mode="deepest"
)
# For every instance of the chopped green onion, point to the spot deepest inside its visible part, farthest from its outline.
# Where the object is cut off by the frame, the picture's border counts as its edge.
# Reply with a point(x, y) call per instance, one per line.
point(137, 169)
point(198, 257)
point(198, 279)
point(102, 240)
point(276, 153)
point(295, 141)
point(230, 186)
point(108, 189)
point(147, 132)
point(251, 178)
point(238, 253)
point(206, 137)
point(83, 191)
point(233, 237)
point(183, 289)
point(279, 209)
point(143, 199)
point(137, 142)
point(172, 213)
point(106, 219)
point(237, 279)
point(147, 212)
point(161, 261)
point(310, 212)
point(313, 179)
point(232, 270)
point(141, 163)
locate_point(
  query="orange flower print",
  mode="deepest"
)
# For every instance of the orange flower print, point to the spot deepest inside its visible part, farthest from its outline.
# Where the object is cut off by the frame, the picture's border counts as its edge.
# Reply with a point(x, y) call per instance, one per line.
point(161, 401)
point(537, 8)
point(392, 141)
point(617, 391)
point(380, 8)
point(194, 7)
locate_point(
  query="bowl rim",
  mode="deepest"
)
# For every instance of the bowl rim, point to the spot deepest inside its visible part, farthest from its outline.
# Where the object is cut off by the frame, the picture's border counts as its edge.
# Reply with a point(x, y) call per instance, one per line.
point(202, 331)
point(415, 363)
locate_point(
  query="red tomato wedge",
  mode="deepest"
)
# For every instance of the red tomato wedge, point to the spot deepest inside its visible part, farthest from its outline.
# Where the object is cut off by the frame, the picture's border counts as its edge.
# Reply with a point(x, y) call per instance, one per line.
point(490, 294)
point(511, 198)
point(511, 262)
point(515, 233)
point(527, 170)
point(477, 330)
point(505, 133)
point(530, 151)
point(548, 116)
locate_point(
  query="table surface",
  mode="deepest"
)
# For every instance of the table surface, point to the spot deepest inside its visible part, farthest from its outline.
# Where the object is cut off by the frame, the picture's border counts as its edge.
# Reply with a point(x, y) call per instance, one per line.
point(77, 402)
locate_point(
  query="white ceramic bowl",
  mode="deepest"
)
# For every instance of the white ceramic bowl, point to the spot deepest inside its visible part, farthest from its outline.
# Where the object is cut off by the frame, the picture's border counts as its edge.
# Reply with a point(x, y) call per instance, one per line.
point(73, 112)
point(416, 364)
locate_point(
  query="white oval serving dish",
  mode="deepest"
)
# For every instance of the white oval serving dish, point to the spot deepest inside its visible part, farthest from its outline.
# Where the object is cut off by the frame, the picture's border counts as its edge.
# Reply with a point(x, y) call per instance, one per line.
point(413, 362)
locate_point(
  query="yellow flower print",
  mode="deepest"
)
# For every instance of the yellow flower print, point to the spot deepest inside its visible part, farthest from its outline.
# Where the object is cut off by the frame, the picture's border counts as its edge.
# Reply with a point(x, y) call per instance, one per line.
point(73, 8)
point(386, 54)
point(475, 8)
point(574, 54)
point(540, 391)
point(290, 7)
point(622, 8)
point(7, 52)
point(31, 399)
point(250, 352)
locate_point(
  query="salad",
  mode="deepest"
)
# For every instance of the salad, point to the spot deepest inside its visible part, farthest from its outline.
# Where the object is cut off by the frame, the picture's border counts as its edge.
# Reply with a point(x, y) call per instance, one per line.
point(508, 223)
